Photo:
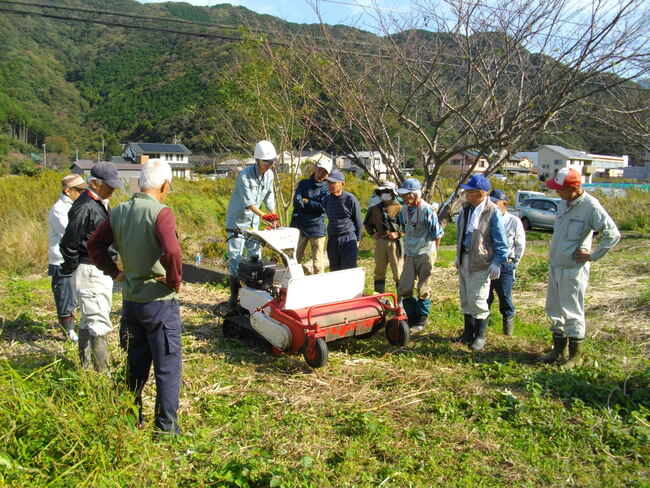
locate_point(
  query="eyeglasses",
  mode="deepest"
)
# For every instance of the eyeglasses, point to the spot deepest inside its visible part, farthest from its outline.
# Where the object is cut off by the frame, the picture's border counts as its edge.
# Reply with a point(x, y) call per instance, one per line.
point(78, 189)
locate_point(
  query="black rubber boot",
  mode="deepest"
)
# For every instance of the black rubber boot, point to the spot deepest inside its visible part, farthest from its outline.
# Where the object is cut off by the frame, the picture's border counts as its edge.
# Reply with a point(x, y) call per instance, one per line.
point(380, 286)
point(508, 325)
point(85, 349)
point(575, 353)
point(559, 351)
point(468, 332)
point(234, 291)
point(480, 329)
point(101, 356)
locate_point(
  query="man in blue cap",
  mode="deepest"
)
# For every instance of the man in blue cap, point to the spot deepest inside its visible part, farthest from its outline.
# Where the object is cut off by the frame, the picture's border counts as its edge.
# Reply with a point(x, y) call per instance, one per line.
point(516, 247)
point(344, 226)
point(422, 234)
point(481, 249)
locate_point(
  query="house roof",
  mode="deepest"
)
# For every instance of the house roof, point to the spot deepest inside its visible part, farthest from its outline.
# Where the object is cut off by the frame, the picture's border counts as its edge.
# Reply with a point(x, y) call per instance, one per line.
point(88, 164)
point(569, 153)
point(533, 156)
point(147, 147)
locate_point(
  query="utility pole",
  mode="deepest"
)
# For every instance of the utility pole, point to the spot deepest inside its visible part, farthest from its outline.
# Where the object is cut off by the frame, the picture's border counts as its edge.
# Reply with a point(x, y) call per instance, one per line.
point(44, 156)
point(102, 145)
point(76, 150)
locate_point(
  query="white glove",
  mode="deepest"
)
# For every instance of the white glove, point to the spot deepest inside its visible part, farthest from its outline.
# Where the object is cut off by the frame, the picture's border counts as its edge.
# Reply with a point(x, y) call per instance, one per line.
point(494, 271)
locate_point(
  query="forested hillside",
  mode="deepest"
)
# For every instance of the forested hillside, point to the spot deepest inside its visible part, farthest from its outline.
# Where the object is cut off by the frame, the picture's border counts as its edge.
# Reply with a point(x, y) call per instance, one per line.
point(84, 85)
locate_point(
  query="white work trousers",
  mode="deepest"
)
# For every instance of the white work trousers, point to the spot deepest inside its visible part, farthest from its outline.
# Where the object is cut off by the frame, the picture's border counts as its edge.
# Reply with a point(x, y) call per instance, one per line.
point(94, 295)
point(565, 300)
point(474, 290)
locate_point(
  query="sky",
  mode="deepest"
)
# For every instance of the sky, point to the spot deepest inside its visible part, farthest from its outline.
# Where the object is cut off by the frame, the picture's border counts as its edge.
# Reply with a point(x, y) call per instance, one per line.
point(348, 12)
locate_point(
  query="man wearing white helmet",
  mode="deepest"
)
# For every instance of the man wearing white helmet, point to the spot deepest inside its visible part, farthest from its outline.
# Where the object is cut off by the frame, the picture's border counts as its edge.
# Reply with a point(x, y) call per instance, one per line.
point(253, 187)
point(422, 237)
point(309, 214)
point(382, 224)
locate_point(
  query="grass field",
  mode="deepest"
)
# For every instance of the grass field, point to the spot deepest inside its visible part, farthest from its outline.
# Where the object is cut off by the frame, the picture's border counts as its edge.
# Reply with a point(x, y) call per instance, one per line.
point(429, 414)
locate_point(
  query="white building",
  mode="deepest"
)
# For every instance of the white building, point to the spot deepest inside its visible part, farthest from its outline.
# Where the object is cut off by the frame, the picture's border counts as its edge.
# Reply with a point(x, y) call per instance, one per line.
point(177, 155)
point(554, 158)
point(371, 159)
point(293, 161)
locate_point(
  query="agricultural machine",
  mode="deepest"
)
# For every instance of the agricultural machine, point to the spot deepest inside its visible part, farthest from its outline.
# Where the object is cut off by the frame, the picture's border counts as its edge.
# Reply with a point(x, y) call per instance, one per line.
point(294, 312)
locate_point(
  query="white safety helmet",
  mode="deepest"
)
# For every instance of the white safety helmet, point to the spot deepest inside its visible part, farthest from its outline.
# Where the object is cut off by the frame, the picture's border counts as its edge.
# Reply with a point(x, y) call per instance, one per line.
point(326, 165)
point(386, 186)
point(265, 150)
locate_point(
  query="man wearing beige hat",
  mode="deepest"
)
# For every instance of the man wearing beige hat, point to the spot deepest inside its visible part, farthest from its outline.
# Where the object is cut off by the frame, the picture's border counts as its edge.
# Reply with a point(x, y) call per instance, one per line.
point(579, 215)
point(64, 295)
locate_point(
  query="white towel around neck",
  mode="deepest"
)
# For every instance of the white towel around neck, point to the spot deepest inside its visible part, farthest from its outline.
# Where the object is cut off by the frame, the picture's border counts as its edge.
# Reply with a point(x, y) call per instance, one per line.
point(476, 213)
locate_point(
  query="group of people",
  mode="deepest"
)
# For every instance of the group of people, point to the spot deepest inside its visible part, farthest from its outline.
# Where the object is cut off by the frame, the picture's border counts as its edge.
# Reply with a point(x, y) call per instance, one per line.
point(86, 237)
point(490, 243)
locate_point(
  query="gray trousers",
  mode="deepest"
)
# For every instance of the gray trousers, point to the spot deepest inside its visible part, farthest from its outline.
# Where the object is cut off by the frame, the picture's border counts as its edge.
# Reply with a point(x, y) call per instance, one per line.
point(565, 300)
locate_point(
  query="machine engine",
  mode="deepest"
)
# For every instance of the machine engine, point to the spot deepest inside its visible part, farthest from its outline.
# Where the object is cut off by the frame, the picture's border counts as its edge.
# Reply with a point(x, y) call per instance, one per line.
point(256, 273)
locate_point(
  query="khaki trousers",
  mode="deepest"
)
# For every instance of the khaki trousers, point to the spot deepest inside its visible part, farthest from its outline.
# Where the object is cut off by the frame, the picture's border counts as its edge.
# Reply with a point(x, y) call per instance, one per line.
point(417, 268)
point(474, 290)
point(565, 300)
point(94, 295)
point(386, 254)
point(317, 250)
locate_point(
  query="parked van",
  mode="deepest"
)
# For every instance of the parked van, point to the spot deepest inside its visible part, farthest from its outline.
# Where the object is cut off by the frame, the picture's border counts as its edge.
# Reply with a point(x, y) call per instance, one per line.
point(525, 195)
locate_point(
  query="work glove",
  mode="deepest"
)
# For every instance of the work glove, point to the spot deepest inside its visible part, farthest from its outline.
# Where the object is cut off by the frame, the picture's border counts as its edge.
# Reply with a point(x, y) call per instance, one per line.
point(270, 217)
point(494, 271)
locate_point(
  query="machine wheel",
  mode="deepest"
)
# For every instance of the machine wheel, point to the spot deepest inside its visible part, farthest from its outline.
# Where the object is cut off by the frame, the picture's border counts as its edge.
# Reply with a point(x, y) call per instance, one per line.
point(526, 223)
point(230, 329)
point(315, 353)
point(398, 332)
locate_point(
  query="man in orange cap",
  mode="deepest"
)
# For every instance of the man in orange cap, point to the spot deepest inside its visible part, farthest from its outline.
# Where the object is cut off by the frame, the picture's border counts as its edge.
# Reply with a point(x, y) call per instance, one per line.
point(579, 215)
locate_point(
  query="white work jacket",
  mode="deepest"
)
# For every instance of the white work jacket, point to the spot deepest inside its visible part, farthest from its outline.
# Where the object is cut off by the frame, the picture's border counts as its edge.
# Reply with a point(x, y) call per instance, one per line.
point(574, 227)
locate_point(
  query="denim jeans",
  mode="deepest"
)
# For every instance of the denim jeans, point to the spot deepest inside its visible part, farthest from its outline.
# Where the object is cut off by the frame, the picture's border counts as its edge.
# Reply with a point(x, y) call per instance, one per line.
point(503, 288)
point(65, 297)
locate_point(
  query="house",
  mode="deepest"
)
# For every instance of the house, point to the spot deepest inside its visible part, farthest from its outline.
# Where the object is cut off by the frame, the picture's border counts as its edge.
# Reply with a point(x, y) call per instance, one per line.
point(293, 161)
point(522, 163)
point(177, 155)
point(466, 159)
point(553, 158)
point(371, 159)
point(128, 172)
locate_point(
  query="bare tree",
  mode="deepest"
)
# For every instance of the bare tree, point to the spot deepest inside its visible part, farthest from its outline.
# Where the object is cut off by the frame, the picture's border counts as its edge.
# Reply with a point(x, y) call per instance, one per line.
point(465, 76)
point(263, 98)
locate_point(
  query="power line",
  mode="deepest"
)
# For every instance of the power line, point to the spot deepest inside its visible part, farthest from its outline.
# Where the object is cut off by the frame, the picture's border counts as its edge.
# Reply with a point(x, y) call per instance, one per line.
point(221, 37)
point(169, 19)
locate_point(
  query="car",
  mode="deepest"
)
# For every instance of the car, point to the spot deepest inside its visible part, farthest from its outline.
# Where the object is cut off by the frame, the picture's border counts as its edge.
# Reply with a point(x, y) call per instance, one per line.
point(538, 212)
point(523, 195)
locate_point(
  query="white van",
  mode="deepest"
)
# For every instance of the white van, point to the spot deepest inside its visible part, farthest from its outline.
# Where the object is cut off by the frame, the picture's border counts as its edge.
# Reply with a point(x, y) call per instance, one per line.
point(526, 194)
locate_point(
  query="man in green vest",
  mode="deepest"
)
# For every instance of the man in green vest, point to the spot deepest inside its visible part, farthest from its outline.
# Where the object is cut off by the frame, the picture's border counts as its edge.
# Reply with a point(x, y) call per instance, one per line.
point(144, 232)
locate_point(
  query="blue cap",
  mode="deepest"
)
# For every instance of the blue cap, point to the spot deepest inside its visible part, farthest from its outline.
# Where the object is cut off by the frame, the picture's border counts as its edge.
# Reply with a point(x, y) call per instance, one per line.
point(409, 185)
point(336, 175)
point(497, 195)
point(108, 173)
point(477, 182)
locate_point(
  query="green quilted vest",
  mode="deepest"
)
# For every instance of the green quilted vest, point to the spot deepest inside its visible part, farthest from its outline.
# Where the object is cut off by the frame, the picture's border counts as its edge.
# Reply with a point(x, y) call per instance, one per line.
point(134, 228)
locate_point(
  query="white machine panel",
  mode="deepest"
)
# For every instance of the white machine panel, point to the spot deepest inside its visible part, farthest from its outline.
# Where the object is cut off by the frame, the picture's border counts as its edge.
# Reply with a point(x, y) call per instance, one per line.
point(252, 299)
point(273, 331)
point(311, 290)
